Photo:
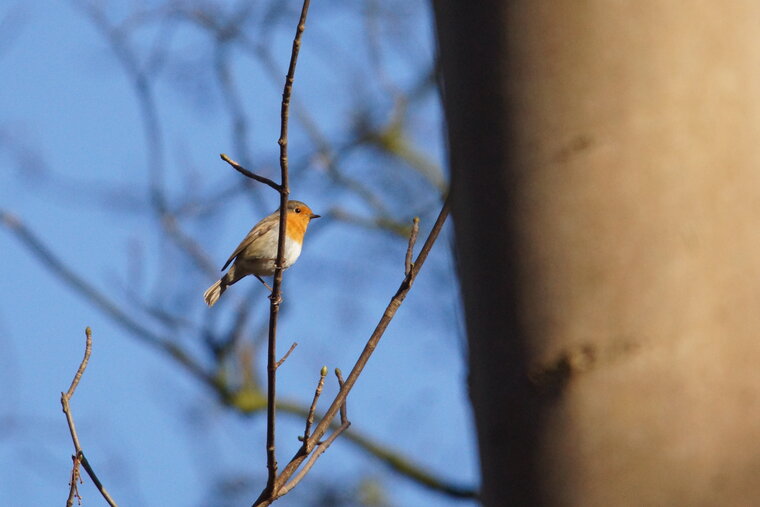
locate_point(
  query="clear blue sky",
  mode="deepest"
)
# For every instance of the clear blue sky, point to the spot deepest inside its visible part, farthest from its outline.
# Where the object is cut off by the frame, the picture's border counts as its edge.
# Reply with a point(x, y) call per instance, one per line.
point(73, 168)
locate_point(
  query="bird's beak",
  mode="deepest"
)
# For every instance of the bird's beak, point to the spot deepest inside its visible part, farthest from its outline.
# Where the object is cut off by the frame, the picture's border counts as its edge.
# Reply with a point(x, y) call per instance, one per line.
point(313, 216)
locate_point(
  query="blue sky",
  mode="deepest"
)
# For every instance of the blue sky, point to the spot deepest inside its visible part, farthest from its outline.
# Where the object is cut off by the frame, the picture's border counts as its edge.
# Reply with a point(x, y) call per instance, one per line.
point(74, 169)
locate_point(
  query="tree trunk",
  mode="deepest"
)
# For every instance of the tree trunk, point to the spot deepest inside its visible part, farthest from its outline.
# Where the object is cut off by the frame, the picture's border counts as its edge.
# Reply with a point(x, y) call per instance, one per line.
point(606, 199)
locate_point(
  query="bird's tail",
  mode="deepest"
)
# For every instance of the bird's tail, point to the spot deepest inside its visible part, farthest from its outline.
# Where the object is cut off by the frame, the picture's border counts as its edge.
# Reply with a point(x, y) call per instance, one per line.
point(213, 293)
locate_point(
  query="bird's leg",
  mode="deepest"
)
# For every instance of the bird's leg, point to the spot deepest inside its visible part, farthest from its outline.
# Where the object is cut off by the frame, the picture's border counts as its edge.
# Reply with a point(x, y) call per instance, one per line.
point(265, 284)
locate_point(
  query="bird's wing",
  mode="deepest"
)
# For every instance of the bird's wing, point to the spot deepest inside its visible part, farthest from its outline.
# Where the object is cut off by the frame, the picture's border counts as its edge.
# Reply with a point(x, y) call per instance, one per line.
point(266, 225)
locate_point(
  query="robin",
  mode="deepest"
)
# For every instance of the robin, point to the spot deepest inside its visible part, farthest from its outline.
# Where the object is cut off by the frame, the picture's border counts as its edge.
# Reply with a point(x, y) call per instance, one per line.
point(256, 254)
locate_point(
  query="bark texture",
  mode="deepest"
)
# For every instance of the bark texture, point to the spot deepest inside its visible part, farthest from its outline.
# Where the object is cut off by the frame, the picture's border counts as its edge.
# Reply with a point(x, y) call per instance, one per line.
point(606, 199)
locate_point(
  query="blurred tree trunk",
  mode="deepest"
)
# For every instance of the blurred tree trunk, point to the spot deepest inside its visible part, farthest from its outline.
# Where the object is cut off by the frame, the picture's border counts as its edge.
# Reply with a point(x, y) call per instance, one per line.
point(606, 197)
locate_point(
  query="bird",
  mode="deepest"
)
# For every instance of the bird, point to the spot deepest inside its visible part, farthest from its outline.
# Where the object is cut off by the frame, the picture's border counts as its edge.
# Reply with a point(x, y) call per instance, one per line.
point(257, 253)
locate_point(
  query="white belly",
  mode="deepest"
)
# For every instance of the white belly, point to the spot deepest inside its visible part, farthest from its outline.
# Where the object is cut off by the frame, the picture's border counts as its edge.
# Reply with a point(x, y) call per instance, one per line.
point(264, 266)
point(292, 251)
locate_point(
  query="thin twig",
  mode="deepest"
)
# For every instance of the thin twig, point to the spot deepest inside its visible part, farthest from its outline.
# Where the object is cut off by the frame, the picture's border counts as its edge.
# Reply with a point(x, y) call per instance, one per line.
point(76, 479)
point(242, 170)
point(78, 456)
point(410, 248)
point(321, 446)
point(83, 365)
point(279, 363)
point(313, 408)
point(343, 410)
point(66, 397)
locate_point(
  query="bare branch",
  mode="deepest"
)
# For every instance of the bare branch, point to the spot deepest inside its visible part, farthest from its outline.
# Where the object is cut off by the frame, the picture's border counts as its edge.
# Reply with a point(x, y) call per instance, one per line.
point(78, 456)
point(343, 410)
point(321, 448)
point(292, 347)
point(83, 364)
point(410, 248)
point(245, 172)
point(313, 408)
point(76, 479)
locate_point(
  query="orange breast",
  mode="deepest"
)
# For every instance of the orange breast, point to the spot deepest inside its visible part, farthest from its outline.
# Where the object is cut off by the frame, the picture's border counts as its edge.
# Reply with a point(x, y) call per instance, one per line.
point(296, 226)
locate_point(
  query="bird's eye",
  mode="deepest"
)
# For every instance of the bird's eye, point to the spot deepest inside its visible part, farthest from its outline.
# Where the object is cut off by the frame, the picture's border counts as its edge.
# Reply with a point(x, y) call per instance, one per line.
point(298, 210)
